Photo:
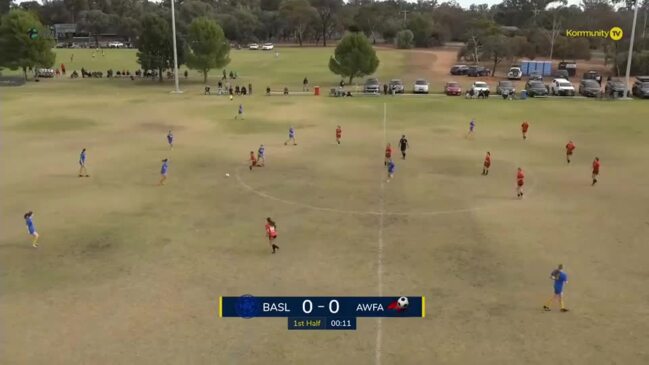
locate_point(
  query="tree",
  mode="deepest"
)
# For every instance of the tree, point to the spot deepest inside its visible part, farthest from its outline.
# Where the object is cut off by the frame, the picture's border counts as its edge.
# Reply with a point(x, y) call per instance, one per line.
point(354, 57)
point(496, 48)
point(553, 32)
point(76, 7)
point(404, 39)
point(4, 6)
point(326, 10)
point(95, 22)
point(207, 46)
point(18, 49)
point(299, 14)
point(155, 50)
point(369, 18)
point(422, 29)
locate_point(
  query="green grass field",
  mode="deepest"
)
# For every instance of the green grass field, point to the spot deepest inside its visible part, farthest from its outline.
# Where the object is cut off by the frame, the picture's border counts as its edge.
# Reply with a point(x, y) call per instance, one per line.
point(130, 273)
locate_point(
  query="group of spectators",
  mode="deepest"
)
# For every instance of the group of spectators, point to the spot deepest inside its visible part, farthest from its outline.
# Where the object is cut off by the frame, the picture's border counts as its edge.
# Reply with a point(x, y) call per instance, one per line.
point(227, 88)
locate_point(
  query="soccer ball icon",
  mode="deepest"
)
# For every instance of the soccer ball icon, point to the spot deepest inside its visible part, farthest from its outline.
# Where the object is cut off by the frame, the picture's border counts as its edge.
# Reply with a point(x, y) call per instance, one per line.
point(402, 302)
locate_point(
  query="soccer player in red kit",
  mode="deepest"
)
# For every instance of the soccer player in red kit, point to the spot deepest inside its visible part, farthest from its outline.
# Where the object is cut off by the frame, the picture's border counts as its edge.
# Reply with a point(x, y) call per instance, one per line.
point(271, 232)
point(595, 169)
point(339, 134)
point(569, 148)
point(487, 163)
point(520, 181)
point(524, 127)
point(388, 154)
point(253, 160)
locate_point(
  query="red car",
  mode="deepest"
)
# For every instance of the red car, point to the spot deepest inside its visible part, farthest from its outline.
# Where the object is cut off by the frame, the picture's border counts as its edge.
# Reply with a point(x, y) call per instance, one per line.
point(452, 88)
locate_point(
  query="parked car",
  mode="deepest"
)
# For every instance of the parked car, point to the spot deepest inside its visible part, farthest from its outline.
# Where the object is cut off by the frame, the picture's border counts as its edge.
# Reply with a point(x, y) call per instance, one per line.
point(372, 85)
point(267, 47)
point(452, 88)
point(115, 45)
point(459, 69)
point(479, 86)
point(396, 86)
point(589, 88)
point(44, 73)
point(253, 46)
point(515, 73)
point(478, 71)
point(536, 88)
point(561, 74)
point(535, 76)
point(614, 87)
point(641, 87)
point(420, 87)
point(592, 75)
point(562, 87)
point(505, 87)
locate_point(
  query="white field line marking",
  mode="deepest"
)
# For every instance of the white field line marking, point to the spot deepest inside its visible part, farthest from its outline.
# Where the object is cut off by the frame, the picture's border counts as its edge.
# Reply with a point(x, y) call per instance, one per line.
point(379, 257)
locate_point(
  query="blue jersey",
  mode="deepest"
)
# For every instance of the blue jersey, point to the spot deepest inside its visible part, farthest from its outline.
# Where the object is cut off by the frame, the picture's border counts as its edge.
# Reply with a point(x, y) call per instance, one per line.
point(391, 167)
point(240, 109)
point(560, 278)
point(170, 138)
point(164, 168)
point(82, 158)
point(30, 225)
point(472, 125)
point(291, 132)
point(261, 151)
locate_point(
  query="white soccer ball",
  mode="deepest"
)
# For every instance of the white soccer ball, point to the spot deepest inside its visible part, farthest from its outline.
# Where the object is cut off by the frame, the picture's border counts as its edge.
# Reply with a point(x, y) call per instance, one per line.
point(227, 174)
point(402, 302)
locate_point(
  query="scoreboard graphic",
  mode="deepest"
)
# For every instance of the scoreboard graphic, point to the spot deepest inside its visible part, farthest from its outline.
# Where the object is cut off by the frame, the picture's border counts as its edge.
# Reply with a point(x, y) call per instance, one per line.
point(322, 313)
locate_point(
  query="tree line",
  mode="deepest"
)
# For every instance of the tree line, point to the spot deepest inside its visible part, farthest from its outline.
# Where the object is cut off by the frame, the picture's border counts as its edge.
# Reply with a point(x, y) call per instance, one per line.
point(491, 34)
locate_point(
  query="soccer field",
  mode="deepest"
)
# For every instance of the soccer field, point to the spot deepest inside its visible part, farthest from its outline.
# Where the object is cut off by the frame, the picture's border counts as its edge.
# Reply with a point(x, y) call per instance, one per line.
point(130, 273)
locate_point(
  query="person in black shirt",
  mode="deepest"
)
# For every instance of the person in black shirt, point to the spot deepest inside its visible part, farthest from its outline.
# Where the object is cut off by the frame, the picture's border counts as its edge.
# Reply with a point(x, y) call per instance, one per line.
point(403, 144)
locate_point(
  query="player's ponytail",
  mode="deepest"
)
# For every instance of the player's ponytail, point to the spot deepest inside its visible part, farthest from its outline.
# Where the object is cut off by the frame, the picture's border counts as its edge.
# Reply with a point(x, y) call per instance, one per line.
point(271, 222)
point(28, 214)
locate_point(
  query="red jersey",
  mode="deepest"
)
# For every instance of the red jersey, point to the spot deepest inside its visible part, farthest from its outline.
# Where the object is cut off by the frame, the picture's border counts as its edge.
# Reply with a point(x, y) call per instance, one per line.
point(253, 159)
point(520, 178)
point(271, 231)
point(388, 152)
point(525, 126)
point(570, 147)
point(595, 166)
point(339, 132)
point(487, 161)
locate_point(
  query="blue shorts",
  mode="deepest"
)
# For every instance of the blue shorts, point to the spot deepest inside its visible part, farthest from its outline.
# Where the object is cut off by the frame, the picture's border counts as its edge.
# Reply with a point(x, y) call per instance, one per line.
point(558, 290)
point(31, 231)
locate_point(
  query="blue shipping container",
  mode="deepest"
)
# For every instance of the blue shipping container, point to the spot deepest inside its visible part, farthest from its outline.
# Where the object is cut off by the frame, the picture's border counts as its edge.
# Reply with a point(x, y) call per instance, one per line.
point(547, 68)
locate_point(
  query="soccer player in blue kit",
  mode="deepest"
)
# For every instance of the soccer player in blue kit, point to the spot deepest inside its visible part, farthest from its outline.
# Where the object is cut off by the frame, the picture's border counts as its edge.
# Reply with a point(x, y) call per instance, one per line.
point(560, 279)
point(291, 136)
point(261, 153)
point(30, 228)
point(82, 164)
point(471, 128)
point(391, 168)
point(170, 139)
point(163, 171)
